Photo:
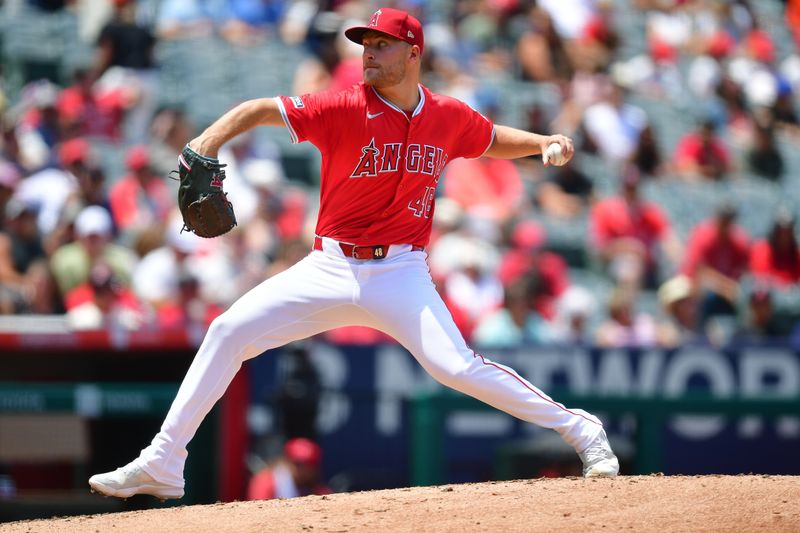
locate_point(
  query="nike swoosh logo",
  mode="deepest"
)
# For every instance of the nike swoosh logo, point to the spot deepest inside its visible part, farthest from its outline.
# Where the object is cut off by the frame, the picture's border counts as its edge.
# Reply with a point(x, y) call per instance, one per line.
point(371, 116)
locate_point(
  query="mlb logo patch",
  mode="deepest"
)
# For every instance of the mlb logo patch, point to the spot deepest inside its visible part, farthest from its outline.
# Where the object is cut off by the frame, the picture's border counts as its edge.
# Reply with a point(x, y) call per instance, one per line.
point(298, 103)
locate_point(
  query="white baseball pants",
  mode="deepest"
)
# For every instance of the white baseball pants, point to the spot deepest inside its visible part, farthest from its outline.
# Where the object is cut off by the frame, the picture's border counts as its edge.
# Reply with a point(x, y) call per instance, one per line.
point(326, 290)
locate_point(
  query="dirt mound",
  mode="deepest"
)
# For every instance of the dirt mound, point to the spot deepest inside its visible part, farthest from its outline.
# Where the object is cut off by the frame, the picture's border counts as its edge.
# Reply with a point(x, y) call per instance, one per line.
point(636, 503)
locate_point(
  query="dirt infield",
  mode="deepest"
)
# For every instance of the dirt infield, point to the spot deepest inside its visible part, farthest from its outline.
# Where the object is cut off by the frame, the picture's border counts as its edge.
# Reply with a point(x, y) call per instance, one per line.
point(635, 503)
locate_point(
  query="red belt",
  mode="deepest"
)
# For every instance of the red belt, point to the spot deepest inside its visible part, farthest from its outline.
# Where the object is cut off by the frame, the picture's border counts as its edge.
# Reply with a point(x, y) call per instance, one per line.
point(377, 251)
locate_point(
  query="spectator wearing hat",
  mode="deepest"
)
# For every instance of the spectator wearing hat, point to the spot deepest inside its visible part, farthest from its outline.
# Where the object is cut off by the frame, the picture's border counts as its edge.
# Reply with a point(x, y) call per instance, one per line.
point(678, 299)
point(26, 285)
point(167, 274)
point(627, 232)
point(775, 260)
point(472, 290)
point(717, 256)
point(525, 257)
point(463, 261)
point(87, 112)
point(140, 199)
point(156, 277)
point(78, 161)
point(53, 188)
point(701, 154)
point(295, 473)
point(72, 262)
point(281, 209)
point(575, 317)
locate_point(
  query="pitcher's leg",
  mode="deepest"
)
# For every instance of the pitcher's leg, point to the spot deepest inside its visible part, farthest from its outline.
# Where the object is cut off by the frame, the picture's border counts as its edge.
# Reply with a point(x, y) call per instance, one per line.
point(284, 308)
point(412, 312)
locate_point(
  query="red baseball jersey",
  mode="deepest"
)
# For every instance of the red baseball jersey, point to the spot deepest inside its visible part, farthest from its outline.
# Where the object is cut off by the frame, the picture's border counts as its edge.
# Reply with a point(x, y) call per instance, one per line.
point(380, 165)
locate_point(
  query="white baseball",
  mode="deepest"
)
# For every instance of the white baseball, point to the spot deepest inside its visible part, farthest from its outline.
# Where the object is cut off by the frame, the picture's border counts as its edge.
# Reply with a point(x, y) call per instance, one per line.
point(554, 155)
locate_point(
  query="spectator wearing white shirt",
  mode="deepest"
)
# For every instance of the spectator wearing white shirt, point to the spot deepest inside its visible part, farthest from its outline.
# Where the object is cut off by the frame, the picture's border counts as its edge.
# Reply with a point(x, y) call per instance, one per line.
point(615, 126)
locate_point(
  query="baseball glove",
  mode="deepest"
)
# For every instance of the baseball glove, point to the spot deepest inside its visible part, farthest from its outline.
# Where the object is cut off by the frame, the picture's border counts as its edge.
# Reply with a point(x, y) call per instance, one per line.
point(205, 207)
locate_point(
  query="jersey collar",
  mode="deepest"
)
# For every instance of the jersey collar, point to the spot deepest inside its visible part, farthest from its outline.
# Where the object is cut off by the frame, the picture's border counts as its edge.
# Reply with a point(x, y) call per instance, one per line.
point(417, 110)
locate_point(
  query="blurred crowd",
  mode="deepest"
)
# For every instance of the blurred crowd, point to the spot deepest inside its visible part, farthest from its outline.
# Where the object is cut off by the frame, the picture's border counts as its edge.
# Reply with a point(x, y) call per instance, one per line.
point(102, 244)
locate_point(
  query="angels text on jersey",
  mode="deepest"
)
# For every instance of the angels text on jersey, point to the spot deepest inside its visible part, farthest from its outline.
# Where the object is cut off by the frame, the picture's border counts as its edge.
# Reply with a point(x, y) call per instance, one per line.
point(415, 158)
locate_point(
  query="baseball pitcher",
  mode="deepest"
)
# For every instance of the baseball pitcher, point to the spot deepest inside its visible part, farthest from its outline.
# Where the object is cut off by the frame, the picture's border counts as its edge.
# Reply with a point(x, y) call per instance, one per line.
point(384, 145)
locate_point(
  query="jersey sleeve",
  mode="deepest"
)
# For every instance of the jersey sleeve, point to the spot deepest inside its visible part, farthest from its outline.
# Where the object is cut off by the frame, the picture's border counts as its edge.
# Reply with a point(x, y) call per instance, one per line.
point(475, 134)
point(307, 117)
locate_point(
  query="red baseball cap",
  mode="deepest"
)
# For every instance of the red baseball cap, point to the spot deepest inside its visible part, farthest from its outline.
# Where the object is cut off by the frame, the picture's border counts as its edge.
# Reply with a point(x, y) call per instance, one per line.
point(305, 451)
point(393, 22)
point(73, 151)
point(138, 157)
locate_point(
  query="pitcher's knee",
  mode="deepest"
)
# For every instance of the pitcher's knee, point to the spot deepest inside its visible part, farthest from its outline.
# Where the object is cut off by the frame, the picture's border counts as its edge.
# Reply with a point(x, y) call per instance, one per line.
point(225, 330)
point(222, 326)
point(456, 376)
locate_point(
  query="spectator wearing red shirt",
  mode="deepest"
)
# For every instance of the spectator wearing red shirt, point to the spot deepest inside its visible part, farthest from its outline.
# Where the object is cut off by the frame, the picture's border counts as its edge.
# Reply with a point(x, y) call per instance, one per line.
point(85, 111)
point(188, 309)
point(717, 256)
point(701, 154)
point(793, 19)
point(526, 258)
point(775, 260)
point(626, 232)
point(490, 187)
point(140, 199)
point(102, 301)
point(295, 473)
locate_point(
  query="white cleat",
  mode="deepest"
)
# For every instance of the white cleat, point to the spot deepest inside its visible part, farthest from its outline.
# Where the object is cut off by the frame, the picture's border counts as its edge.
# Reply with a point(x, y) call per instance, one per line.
point(598, 459)
point(130, 480)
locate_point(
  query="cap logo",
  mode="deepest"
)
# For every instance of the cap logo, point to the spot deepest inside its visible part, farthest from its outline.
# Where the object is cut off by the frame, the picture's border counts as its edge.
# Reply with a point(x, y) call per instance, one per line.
point(410, 35)
point(373, 21)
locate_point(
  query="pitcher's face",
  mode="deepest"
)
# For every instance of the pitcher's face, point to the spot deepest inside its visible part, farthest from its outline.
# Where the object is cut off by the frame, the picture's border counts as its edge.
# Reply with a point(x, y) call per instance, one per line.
point(385, 59)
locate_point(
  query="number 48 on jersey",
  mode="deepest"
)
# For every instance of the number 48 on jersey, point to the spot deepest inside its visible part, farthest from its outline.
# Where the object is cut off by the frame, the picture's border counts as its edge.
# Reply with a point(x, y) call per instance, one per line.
point(422, 205)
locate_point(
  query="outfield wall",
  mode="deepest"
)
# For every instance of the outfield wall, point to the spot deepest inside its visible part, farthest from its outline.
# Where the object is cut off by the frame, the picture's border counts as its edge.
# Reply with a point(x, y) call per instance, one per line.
point(369, 400)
